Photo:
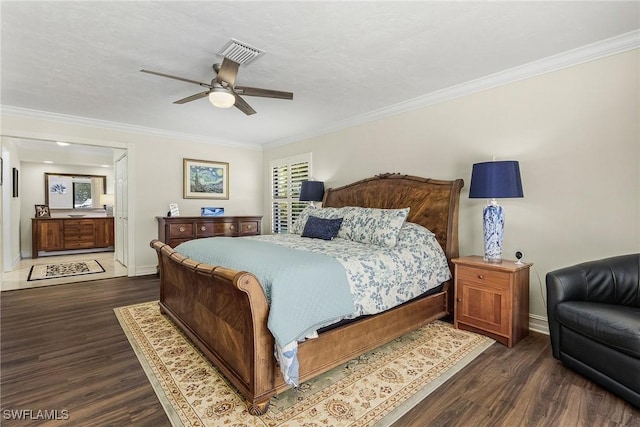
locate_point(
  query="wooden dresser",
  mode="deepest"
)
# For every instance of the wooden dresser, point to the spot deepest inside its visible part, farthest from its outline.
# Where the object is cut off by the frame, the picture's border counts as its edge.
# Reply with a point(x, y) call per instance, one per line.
point(62, 234)
point(177, 229)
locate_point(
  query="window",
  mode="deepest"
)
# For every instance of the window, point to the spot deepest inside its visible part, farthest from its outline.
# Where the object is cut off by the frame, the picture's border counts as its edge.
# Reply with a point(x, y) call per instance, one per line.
point(286, 178)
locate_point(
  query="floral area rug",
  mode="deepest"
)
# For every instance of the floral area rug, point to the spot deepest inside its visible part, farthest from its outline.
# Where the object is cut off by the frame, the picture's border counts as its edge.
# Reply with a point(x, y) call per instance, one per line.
point(64, 269)
point(376, 388)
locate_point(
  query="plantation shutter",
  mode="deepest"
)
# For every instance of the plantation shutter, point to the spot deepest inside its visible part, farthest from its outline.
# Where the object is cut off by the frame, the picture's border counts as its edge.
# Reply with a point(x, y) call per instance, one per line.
point(286, 178)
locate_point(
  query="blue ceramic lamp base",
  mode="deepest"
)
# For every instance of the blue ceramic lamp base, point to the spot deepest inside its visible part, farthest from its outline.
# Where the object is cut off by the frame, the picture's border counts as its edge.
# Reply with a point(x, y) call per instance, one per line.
point(493, 227)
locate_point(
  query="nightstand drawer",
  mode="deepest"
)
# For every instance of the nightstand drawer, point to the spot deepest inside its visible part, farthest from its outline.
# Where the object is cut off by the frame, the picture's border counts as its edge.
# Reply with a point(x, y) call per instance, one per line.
point(484, 276)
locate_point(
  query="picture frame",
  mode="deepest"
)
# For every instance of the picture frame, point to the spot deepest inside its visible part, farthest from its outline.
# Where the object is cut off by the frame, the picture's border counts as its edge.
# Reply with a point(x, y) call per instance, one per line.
point(42, 211)
point(205, 179)
point(15, 182)
point(211, 211)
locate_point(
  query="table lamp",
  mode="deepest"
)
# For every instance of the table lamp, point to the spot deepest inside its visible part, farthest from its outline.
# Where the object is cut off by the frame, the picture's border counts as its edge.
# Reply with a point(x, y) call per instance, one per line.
point(311, 191)
point(494, 180)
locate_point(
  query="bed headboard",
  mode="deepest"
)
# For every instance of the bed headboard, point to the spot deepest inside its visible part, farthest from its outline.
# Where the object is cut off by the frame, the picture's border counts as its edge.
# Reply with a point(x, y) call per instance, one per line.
point(433, 203)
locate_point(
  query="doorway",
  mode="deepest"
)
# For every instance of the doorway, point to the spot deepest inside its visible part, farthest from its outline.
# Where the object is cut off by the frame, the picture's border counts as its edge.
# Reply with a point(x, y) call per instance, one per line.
point(21, 218)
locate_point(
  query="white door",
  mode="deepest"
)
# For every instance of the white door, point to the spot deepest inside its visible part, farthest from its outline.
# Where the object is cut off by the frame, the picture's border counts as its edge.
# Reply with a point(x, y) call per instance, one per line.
point(122, 225)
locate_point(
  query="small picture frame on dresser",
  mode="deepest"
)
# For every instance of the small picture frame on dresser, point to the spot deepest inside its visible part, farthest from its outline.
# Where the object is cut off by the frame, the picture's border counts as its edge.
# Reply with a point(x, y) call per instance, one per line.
point(211, 211)
point(42, 211)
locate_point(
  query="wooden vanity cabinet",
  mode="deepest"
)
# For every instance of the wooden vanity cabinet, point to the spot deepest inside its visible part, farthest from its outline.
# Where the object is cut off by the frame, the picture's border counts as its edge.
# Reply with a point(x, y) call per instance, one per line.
point(61, 234)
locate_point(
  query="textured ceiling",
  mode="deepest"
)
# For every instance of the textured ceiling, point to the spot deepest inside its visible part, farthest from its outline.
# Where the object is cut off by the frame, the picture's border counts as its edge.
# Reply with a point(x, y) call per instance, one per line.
point(340, 59)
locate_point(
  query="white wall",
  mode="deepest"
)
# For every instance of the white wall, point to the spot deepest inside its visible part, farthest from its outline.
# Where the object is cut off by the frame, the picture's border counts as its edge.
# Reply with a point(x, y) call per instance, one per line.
point(575, 132)
point(155, 178)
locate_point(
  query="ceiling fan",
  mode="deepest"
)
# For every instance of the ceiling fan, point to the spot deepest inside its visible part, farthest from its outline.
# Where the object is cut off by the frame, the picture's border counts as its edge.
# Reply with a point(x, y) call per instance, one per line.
point(222, 91)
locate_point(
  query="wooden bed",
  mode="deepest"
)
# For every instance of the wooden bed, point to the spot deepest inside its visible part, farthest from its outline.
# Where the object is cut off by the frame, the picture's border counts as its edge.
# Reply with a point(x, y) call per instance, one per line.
point(224, 312)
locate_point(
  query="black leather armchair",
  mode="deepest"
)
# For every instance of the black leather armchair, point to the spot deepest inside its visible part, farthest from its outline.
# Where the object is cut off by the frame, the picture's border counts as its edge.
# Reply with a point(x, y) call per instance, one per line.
point(594, 322)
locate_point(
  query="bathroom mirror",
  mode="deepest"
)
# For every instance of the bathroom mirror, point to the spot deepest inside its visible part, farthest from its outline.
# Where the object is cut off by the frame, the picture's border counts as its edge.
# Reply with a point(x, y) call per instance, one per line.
point(72, 191)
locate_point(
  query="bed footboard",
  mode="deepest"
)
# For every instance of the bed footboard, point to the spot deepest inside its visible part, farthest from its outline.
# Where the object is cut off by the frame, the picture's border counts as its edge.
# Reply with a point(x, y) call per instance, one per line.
point(224, 312)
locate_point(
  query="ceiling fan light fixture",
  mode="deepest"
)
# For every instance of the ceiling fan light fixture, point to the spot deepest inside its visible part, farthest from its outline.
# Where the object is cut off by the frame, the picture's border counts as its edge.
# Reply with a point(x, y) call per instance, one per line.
point(222, 97)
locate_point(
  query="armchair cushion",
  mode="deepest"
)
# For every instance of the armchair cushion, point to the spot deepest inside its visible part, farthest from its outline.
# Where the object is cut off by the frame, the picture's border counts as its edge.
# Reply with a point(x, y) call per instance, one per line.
point(612, 325)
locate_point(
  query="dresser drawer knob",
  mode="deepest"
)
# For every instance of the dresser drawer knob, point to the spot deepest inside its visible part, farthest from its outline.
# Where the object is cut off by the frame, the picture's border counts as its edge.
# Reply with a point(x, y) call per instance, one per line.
point(480, 276)
point(459, 300)
point(182, 229)
point(231, 227)
point(203, 228)
point(249, 227)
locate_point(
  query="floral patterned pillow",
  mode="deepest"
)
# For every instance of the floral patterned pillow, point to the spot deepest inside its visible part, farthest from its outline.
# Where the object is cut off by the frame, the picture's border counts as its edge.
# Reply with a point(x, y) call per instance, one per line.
point(369, 225)
point(411, 233)
point(301, 221)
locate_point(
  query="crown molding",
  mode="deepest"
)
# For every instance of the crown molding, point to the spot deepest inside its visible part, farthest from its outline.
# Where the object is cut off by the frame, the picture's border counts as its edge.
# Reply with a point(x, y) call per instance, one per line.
point(591, 52)
point(115, 126)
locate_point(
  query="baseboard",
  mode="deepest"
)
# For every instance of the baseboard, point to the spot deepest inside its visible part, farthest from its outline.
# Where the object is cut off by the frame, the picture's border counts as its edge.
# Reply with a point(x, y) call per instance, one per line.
point(146, 270)
point(538, 324)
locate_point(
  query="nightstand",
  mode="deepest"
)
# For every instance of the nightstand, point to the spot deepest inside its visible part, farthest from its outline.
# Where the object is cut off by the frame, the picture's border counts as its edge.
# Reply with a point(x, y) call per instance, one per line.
point(492, 298)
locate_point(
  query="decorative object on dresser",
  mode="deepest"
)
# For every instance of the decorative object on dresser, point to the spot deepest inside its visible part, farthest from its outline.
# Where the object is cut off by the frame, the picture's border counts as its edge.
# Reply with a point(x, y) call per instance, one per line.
point(205, 179)
point(492, 299)
point(42, 211)
point(225, 311)
point(494, 180)
point(173, 210)
point(175, 230)
point(61, 234)
point(108, 200)
point(311, 191)
point(211, 211)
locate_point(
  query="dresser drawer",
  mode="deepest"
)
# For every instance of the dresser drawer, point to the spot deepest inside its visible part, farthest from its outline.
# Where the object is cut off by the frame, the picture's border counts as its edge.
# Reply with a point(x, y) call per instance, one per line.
point(483, 276)
point(248, 228)
point(180, 230)
point(210, 229)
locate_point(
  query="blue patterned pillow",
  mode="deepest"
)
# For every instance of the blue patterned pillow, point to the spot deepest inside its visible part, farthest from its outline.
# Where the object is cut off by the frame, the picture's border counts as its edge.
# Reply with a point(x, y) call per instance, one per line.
point(373, 226)
point(321, 228)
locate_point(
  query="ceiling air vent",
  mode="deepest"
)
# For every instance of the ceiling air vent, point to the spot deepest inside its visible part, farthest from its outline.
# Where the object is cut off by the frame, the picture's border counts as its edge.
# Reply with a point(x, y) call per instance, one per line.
point(240, 52)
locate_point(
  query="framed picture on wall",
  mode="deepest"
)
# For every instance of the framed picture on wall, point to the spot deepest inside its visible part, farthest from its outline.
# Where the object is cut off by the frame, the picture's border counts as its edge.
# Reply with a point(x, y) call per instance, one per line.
point(15, 182)
point(42, 211)
point(205, 179)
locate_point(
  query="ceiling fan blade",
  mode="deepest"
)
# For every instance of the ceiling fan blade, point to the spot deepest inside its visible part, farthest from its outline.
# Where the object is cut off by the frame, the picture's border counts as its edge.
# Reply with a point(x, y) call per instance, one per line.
point(192, 97)
point(228, 72)
point(242, 105)
point(265, 93)
point(182, 79)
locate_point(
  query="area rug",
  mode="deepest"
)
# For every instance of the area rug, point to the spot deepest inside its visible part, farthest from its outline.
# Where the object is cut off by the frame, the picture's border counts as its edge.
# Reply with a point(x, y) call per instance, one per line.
point(376, 388)
point(64, 269)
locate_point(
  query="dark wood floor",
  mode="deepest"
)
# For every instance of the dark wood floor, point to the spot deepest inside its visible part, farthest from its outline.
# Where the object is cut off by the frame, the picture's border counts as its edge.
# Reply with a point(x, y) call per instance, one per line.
point(63, 349)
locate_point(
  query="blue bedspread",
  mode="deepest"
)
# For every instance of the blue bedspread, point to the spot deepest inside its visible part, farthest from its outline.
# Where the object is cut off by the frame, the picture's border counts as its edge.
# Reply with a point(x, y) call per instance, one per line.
point(304, 289)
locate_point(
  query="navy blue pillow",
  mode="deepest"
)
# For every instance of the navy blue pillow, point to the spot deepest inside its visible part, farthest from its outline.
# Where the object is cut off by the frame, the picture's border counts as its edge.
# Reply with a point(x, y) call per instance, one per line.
point(321, 228)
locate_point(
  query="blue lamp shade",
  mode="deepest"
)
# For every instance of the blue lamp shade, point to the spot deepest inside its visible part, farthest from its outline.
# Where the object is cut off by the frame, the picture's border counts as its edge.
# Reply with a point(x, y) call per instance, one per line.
point(494, 180)
point(311, 191)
